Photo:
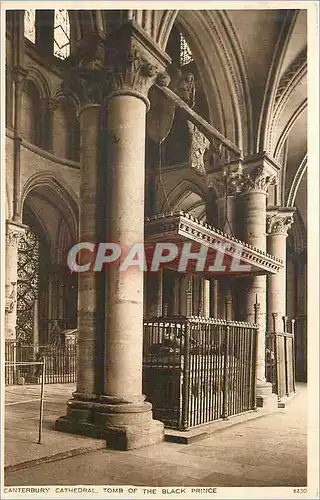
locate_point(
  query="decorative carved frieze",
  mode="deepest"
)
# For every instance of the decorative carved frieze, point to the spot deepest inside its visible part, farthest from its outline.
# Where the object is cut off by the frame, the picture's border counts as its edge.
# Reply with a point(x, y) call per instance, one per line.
point(182, 225)
point(198, 145)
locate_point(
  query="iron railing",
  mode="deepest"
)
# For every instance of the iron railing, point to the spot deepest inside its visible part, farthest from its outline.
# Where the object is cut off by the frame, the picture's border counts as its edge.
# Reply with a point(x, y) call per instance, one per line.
point(197, 370)
point(280, 360)
point(61, 363)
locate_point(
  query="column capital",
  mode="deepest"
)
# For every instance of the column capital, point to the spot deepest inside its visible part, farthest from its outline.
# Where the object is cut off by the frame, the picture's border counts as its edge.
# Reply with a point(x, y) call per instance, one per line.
point(14, 233)
point(257, 180)
point(133, 62)
point(227, 181)
point(279, 220)
point(126, 61)
point(259, 172)
point(19, 74)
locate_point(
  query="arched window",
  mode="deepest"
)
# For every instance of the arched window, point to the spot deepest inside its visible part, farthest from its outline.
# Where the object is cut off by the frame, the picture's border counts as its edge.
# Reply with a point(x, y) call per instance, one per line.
point(30, 24)
point(61, 34)
point(185, 52)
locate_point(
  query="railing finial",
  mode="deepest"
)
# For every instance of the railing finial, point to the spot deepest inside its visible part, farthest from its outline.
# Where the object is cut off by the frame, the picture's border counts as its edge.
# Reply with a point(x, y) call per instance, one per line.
point(274, 320)
point(285, 320)
point(256, 308)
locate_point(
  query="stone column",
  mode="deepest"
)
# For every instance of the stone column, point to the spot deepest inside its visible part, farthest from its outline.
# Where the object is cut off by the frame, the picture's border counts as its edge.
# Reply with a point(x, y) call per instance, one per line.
point(206, 297)
point(90, 375)
point(154, 294)
point(123, 70)
point(185, 295)
point(278, 222)
point(19, 74)
point(14, 232)
point(125, 414)
point(252, 229)
point(226, 190)
point(214, 310)
point(88, 291)
point(84, 84)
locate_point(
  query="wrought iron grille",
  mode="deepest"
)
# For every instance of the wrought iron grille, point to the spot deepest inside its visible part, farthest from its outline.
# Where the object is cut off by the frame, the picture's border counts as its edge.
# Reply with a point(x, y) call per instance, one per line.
point(28, 284)
point(197, 370)
point(61, 363)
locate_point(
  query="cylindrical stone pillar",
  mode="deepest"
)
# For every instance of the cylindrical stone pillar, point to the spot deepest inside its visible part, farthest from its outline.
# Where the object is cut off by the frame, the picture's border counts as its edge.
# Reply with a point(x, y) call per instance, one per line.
point(88, 290)
point(14, 232)
point(206, 298)
point(253, 204)
point(126, 152)
point(276, 244)
point(125, 414)
point(214, 309)
point(226, 207)
point(154, 295)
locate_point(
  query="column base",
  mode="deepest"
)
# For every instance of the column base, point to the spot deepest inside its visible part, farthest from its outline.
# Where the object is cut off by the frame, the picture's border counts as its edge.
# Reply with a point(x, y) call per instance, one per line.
point(265, 397)
point(124, 426)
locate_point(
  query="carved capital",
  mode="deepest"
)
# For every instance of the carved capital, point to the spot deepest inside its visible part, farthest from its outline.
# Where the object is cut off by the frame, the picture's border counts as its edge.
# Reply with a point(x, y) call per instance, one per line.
point(226, 182)
point(198, 145)
point(123, 61)
point(19, 74)
point(84, 70)
point(258, 179)
point(13, 235)
point(85, 85)
point(130, 70)
point(279, 223)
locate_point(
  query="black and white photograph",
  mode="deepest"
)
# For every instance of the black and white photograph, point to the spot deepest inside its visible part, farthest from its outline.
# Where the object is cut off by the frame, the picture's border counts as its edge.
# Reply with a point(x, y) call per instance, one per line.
point(160, 234)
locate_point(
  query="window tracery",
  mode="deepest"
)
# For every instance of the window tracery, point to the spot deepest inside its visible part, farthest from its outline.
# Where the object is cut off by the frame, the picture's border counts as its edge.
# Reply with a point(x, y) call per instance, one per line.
point(61, 34)
point(30, 25)
point(28, 284)
point(185, 52)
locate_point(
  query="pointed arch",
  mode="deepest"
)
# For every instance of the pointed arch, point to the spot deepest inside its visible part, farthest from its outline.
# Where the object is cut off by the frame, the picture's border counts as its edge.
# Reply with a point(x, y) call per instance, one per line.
point(65, 198)
point(296, 182)
point(37, 77)
point(264, 128)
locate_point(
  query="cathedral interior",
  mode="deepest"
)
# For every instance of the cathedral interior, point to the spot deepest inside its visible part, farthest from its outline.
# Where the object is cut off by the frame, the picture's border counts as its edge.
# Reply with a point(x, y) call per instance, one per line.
point(137, 126)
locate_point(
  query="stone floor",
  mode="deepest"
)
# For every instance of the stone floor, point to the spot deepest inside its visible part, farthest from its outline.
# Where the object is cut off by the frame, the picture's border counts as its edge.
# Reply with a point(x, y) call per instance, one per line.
point(266, 451)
